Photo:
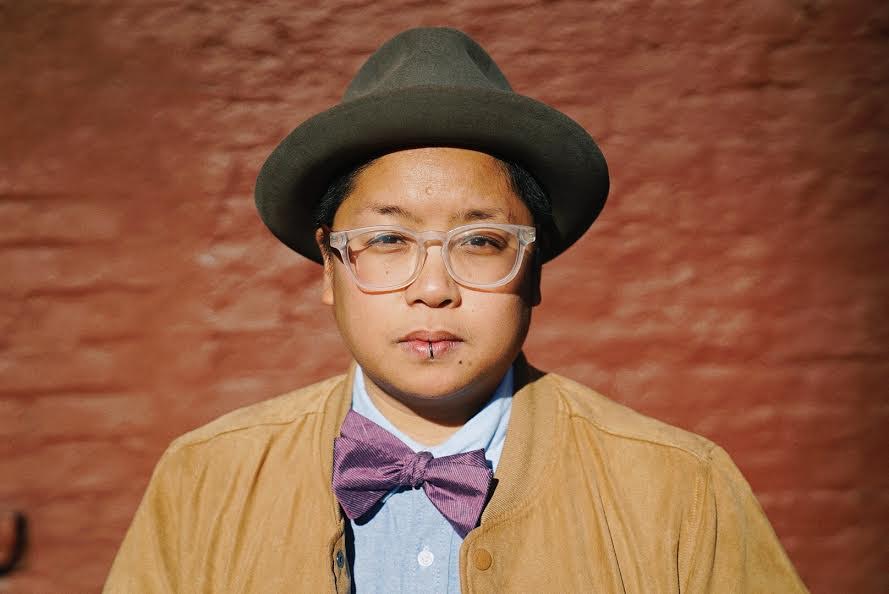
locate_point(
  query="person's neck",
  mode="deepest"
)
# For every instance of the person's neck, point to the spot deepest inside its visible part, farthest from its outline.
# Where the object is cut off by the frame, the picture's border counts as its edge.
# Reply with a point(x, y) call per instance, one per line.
point(427, 421)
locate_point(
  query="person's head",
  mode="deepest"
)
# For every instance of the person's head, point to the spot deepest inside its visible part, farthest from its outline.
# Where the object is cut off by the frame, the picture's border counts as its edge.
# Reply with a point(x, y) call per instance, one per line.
point(436, 337)
point(453, 329)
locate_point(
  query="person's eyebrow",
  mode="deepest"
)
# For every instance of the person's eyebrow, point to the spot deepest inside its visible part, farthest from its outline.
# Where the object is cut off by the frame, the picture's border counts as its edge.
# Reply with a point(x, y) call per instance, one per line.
point(480, 214)
point(390, 210)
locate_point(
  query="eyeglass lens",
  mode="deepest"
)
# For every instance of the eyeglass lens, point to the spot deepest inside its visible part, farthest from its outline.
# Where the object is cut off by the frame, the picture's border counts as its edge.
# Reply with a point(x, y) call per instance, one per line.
point(388, 258)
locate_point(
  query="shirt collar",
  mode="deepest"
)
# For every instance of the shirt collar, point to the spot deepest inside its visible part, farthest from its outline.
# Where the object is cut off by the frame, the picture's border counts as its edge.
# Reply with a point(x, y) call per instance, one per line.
point(487, 429)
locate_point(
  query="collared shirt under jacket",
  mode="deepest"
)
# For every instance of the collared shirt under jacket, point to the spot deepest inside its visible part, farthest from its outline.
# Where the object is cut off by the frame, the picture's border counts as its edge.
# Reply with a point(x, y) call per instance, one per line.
point(427, 559)
point(590, 497)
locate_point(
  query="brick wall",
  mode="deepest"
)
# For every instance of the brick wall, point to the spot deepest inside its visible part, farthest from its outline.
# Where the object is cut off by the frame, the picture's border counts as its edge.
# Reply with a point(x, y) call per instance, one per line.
point(735, 285)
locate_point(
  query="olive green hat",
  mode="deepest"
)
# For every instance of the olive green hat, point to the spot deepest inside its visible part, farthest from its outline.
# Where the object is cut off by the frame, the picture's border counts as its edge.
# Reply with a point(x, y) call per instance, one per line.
point(432, 87)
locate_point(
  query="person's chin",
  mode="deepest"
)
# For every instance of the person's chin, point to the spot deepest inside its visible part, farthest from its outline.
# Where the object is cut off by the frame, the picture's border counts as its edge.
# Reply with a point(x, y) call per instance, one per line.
point(428, 385)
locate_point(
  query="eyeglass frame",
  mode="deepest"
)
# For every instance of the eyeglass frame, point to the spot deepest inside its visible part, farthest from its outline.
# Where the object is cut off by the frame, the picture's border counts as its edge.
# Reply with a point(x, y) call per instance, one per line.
point(339, 241)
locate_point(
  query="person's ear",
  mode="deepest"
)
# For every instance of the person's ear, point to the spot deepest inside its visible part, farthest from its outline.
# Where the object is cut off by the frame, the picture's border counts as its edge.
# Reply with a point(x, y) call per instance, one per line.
point(531, 283)
point(327, 274)
point(536, 277)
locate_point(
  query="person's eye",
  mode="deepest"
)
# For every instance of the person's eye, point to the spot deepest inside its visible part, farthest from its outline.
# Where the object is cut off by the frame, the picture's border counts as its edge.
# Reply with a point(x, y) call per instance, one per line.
point(387, 242)
point(483, 241)
point(387, 239)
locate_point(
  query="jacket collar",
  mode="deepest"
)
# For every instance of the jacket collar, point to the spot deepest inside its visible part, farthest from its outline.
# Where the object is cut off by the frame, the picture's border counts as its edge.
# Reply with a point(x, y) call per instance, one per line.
point(334, 412)
point(530, 445)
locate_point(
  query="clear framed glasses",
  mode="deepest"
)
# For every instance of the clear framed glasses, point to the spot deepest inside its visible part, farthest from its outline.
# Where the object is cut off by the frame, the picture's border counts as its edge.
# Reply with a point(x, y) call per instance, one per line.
point(389, 257)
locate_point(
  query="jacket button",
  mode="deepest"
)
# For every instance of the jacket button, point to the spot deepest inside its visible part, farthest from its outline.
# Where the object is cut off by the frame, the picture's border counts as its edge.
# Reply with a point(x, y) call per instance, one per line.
point(340, 559)
point(482, 559)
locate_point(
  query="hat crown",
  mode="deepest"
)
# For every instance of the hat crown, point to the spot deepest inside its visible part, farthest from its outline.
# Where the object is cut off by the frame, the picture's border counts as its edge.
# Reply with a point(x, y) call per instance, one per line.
point(427, 56)
point(432, 87)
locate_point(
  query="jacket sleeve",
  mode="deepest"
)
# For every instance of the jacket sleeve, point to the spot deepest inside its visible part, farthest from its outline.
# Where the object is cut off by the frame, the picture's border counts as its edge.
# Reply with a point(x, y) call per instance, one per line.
point(735, 548)
point(148, 559)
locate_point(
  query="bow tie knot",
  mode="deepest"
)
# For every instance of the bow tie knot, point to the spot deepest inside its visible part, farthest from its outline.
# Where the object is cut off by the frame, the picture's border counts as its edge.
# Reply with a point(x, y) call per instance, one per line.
point(413, 473)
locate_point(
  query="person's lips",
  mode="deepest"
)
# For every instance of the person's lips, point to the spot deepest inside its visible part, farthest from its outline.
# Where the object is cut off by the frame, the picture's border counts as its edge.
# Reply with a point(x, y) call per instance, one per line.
point(429, 344)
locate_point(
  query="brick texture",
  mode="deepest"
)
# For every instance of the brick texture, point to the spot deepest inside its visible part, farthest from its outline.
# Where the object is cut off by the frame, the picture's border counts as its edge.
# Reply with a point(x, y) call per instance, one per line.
point(736, 284)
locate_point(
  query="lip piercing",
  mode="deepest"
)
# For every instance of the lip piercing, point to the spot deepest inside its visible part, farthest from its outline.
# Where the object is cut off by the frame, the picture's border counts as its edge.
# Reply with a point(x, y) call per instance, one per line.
point(431, 354)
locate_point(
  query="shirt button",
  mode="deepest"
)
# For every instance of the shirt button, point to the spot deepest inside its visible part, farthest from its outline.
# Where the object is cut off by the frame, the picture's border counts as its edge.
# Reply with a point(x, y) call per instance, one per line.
point(425, 558)
point(340, 559)
point(482, 559)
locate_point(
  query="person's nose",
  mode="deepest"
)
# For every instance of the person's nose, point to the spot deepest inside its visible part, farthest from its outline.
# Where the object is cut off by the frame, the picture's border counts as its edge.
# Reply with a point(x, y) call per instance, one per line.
point(434, 287)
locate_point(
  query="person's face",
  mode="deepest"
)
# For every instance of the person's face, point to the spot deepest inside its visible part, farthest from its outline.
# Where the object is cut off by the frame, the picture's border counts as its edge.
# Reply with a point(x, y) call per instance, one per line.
point(474, 334)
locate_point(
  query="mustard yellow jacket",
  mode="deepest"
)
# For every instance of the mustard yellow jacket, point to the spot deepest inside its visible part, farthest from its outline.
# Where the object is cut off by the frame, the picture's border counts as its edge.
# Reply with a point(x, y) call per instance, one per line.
point(589, 497)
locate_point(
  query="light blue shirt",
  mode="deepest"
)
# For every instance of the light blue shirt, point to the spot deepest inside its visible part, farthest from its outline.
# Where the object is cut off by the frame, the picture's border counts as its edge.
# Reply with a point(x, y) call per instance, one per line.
point(407, 545)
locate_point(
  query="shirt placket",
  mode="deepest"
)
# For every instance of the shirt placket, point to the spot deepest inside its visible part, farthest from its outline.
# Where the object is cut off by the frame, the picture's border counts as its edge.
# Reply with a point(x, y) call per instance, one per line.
point(428, 556)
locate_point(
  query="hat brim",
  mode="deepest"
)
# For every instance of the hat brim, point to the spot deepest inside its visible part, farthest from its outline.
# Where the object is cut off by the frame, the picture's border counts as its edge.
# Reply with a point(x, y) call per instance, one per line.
point(555, 149)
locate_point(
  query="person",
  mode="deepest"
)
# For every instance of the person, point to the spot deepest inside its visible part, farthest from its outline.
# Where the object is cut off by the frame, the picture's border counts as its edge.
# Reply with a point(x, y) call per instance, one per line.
point(432, 196)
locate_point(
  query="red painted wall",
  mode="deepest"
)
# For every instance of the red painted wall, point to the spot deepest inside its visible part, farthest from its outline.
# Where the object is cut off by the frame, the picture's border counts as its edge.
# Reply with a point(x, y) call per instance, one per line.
point(736, 284)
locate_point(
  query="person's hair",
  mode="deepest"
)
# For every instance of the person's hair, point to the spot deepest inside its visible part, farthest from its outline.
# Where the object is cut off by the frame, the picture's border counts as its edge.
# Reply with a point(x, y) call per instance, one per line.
point(520, 181)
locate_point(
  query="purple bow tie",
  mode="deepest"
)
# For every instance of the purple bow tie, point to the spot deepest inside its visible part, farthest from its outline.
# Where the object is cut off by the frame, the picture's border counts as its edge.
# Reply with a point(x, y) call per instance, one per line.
point(368, 462)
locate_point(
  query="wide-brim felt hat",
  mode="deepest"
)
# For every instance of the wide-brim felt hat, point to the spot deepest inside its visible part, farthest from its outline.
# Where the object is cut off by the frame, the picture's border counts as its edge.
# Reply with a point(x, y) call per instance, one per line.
point(432, 87)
